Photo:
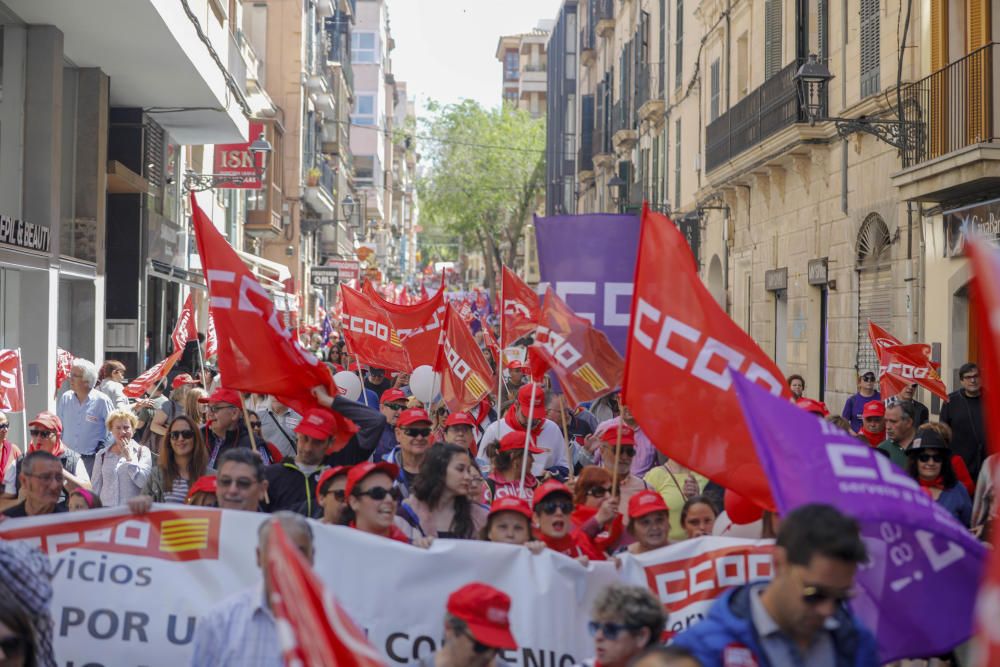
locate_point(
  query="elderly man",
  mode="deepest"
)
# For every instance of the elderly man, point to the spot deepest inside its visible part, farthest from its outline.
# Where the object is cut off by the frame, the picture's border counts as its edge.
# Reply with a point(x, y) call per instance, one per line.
point(241, 630)
point(476, 627)
point(84, 411)
point(41, 477)
point(392, 402)
point(241, 483)
point(225, 429)
point(413, 432)
point(292, 483)
point(900, 429)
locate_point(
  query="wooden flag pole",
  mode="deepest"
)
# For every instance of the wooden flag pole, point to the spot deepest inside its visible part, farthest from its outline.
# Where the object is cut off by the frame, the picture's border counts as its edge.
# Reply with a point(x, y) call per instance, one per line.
point(618, 451)
point(527, 439)
point(565, 428)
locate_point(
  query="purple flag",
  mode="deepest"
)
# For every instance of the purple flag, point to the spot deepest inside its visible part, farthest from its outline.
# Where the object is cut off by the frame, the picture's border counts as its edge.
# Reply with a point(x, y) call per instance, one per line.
point(590, 262)
point(917, 593)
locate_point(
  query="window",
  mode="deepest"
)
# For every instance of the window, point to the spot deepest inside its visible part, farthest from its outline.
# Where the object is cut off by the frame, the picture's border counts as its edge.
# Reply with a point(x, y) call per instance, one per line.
point(510, 98)
point(679, 45)
point(571, 35)
point(772, 37)
point(662, 66)
point(742, 67)
point(511, 62)
point(677, 164)
point(714, 101)
point(657, 204)
point(364, 109)
point(363, 47)
point(871, 52)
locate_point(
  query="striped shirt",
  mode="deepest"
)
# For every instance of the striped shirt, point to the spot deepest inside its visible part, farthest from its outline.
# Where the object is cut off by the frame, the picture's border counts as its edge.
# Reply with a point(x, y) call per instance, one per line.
point(179, 492)
point(238, 632)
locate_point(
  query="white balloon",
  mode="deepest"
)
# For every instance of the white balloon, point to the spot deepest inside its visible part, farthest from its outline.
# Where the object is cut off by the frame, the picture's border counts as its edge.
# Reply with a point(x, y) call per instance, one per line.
point(348, 384)
point(425, 384)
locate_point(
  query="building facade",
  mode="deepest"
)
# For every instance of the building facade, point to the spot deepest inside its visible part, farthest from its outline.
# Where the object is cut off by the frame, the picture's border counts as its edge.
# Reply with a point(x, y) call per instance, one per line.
point(525, 60)
point(561, 114)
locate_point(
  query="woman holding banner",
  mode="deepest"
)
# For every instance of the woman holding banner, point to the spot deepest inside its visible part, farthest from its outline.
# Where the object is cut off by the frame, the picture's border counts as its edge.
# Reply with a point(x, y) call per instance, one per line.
point(439, 503)
point(183, 459)
point(509, 522)
point(552, 511)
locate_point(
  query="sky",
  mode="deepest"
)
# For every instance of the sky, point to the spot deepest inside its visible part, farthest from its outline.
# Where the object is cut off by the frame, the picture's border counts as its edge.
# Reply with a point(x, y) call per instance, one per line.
point(446, 49)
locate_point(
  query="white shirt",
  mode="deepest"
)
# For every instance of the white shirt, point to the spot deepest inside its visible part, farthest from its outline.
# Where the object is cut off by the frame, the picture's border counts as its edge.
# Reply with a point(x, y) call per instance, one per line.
point(550, 439)
point(10, 479)
point(116, 392)
point(116, 480)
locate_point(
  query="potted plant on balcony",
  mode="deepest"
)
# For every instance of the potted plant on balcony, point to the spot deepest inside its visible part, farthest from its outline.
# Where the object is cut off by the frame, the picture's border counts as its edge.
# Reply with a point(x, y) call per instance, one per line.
point(312, 177)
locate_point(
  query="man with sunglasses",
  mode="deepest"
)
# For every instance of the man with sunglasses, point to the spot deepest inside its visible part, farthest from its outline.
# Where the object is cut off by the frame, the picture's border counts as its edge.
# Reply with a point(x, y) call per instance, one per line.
point(799, 617)
point(413, 432)
point(964, 414)
point(46, 435)
point(240, 483)
point(292, 483)
point(225, 429)
point(41, 477)
point(626, 621)
point(628, 484)
point(476, 627)
point(392, 403)
point(855, 405)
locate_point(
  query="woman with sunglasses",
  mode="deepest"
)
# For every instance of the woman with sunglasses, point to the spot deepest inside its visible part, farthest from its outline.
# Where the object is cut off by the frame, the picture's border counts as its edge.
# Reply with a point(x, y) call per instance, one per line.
point(929, 462)
point(698, 516)
point(552, 511)
point(506, 460)
point(855, 405)
point(372, 500)
point(626, 620)
point(331, 496)
point(439, 503)
point(596, 512)
point(183, 459)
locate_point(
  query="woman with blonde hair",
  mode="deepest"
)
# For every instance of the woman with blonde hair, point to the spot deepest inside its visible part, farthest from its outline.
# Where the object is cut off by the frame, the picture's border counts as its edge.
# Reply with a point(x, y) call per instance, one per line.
point(194, 409)
point(121, 470)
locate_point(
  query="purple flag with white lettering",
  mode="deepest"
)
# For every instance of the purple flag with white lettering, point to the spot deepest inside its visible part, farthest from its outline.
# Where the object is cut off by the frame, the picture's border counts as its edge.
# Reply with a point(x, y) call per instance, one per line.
point(918, 590)
point(590, 262)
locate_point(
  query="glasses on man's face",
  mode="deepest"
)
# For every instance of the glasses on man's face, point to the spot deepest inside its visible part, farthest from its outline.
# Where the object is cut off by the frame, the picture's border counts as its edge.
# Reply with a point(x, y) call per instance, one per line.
point(971, 378)
point(928, 458)
point(599, 491)
point(868, 378)
point(609, 630)
point(814, 595)
point(242, 483)
point(417, 432)
point(35, 433)
point(218, 408)
point(47, 479)
point(378, 493)
point(477, 646)
point(627, 451)
point(186, 434)
point(553, 506)
point(395, 406)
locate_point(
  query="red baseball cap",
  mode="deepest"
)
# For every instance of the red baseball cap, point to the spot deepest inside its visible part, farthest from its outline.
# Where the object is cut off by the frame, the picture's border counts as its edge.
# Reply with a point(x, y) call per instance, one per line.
point(183, 379)
point(459, 419)
point(515, 440)
point(392, 395)
point(511, 504)
point(362, 470)
point(873, 409)
point(205, 483)
point(48, 420)
point(413, 416)
point(646, 502)
point(550, 487)
point(327, 476)
point(317, 423)
point(515, 365)
point(610, 435)
point(813, 406)
point(223, 395)
point(524, 399)
point(486, 611)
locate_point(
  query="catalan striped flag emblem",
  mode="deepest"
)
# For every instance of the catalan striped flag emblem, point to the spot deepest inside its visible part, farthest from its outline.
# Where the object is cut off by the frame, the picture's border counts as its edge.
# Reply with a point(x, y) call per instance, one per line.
point(394, 338)
point(476, 385)
point(184, 535)
point(587, 373)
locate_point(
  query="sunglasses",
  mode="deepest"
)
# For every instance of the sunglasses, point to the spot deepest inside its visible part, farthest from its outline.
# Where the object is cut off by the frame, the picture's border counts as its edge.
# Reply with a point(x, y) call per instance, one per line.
point(552, 506)
point(40, 434)
point(242, 483)
point(927, 458)
point(255, 425)
point(868, 378)
point(395, 406)
point(415, 432)
point(378, 493)
point(813, 595)
point(182, 435)
point(477, 646)
point(218, 408)
point(609, 630)
point(599, 491)
point(627, 451)
point(338, 494)
point(4, 427)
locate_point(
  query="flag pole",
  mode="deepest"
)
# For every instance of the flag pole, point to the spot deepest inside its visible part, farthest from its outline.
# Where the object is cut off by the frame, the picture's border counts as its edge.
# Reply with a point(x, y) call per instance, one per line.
point(618, 451)
point(246, 419)
point(527, 439)
point(565, 428)
point(24, 406)
point(500, 356)
point(364, 396)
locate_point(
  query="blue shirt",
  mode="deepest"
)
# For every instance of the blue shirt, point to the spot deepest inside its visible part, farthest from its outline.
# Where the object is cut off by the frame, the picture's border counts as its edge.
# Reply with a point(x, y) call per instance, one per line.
point(84, 424)
point(239, 632)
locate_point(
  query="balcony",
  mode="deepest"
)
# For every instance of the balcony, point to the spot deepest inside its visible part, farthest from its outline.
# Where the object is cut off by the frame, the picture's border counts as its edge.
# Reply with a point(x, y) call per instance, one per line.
point(604, 16)
point(319, 194)
point(651, 110)
point(264, 214)
point(623, 125)
point(957, 149)
point(588, 37)
point(771, 107)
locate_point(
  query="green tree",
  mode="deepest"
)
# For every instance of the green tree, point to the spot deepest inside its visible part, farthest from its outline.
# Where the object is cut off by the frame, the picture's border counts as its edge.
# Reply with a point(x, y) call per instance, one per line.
point(485, 177)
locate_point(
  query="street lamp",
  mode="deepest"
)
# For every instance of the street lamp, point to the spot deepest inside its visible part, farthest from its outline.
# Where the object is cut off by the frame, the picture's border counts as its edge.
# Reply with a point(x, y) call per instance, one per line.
point(811, 79)
point(259, 151)
point(309, 225)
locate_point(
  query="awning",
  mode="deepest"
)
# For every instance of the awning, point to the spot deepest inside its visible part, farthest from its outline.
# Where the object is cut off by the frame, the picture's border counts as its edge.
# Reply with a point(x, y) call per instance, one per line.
point(271, 271)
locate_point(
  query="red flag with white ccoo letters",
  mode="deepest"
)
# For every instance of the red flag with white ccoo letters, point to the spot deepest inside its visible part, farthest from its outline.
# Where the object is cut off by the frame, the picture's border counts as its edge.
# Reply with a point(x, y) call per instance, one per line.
point(369, 332)
point(11, 381)
point(466, 377)
point(519, 310)
point(902, 365)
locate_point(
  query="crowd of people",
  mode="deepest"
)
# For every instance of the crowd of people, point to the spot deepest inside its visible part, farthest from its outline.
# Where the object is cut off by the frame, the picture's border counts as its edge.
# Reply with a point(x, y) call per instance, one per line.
point(524, 468)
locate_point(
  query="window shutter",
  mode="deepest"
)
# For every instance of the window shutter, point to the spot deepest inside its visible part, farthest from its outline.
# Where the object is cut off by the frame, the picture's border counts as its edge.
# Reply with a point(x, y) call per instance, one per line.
point(714, 111)
point(662, 67)
point(656, 174)
point(979, 70)
point(679, 45)
point(772, 37)
point(939, 85)
point(822, 18)
point(676, 204)
point(871, 51)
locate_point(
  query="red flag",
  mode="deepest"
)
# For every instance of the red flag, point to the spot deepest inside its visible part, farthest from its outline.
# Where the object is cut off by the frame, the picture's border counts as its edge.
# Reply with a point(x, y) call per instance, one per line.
point(985, 293)
point(583, 360)
point(148, 380)
point(465, 374)
point(314, 630)
point(490, 340)
point(519, 308)
point(423, 292)
point(185, 329)
point(64, 363)
point(11, 381)
point(256, 353)
point(404, 297)
point(676, 381)
point(902, 365)
point(465, 310)
point(370, 333)
point(419, 324)
point(211, 338)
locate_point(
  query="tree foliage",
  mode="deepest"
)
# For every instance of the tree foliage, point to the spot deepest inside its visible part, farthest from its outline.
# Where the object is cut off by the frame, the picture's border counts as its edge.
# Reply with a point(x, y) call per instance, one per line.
point(485, 176)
